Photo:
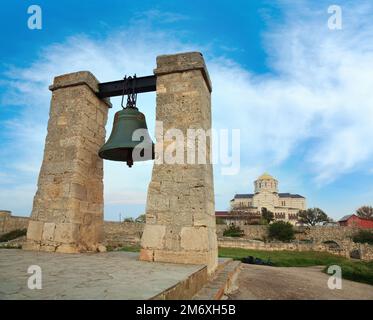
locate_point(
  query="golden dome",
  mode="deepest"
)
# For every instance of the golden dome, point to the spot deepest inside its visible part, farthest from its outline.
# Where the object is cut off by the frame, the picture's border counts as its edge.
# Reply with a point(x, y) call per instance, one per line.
point(266, 176)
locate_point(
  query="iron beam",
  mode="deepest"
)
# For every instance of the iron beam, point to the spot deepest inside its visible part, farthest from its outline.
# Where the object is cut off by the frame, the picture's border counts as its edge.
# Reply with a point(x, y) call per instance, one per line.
point(115, 88)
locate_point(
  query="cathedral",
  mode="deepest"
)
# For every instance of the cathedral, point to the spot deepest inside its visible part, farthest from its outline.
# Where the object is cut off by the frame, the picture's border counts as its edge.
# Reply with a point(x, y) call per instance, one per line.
point(285, 206)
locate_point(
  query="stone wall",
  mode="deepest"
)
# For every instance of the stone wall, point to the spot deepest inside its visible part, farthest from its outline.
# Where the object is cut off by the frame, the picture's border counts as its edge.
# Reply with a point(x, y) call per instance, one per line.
point(254, 232)
point(115, 233)
point(9, 223)
point(229, 242)
point(119, 234)
point(316, 234)
point(364, 250)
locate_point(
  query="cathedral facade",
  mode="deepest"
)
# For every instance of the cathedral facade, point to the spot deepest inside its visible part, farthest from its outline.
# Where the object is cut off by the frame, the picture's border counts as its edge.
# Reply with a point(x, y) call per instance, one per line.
point(285, 206)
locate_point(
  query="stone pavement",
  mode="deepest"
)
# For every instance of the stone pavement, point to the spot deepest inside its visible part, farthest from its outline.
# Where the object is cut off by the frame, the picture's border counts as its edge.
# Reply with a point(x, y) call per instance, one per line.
point(111, 275)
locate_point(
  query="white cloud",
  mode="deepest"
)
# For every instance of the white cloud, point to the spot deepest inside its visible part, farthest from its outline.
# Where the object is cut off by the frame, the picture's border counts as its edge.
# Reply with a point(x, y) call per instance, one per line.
point(319, 96)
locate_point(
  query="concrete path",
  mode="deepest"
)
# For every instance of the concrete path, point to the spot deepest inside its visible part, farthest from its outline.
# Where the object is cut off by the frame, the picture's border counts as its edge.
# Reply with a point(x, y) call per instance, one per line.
point(111, 275)
point(263, 282)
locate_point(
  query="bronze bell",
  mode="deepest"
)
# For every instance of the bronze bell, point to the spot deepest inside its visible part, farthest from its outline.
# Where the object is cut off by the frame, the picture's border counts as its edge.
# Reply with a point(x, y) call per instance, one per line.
point(121, 145)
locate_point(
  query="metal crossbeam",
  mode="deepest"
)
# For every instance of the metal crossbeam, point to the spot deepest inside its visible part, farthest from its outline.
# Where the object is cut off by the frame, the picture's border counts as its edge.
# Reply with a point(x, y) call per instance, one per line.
point(115, 88)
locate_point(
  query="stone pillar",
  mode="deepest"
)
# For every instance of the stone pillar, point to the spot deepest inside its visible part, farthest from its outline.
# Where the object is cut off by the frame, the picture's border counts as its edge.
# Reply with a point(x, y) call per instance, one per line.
point(67, 214)
point(180, 210)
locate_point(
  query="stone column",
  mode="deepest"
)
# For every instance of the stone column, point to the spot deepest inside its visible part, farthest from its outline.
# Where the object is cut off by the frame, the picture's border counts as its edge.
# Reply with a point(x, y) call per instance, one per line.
point(180, 211)
point(67, 214)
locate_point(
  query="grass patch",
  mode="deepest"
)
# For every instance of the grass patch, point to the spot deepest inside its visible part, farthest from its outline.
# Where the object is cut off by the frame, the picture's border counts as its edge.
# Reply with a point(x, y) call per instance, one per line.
point(284, 258)
point(359, 271)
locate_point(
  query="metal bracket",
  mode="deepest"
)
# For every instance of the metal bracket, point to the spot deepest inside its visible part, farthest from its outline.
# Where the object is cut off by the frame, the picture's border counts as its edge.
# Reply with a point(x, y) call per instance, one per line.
point(115, 88)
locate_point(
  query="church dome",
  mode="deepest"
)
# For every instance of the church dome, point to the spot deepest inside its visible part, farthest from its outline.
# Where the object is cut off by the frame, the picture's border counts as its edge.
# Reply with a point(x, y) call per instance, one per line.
point(266, 183)
point(266, 176)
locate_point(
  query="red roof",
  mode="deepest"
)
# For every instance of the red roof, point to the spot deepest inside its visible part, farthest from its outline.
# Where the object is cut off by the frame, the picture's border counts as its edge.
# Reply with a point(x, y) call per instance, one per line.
point(221, 213)
point(356, 221)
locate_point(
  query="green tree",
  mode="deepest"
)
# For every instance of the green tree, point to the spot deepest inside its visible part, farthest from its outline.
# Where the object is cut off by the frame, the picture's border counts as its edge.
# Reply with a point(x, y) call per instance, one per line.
point(128, 219)
point(313, 216)
point(365, 212)
point(281, 230)
point(267, 215)
point(141, 218)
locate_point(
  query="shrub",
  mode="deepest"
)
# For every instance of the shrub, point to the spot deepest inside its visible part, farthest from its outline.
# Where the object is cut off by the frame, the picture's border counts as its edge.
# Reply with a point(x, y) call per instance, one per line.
point(363, 236)
point(14, 234)
point(282, 231)
point(267, 215)
point(233, 231)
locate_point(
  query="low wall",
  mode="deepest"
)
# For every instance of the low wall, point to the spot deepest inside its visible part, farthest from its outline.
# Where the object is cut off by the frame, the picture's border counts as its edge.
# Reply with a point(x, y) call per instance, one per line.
point(129, 233)
point(115, 233)
point(228, 242)
point(365, 250)
point(9, 223)
point(122, 233)
point(316, 234)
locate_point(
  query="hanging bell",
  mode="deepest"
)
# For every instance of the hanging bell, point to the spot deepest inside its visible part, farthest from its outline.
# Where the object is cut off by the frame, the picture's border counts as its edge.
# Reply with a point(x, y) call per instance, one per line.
point(129, 140)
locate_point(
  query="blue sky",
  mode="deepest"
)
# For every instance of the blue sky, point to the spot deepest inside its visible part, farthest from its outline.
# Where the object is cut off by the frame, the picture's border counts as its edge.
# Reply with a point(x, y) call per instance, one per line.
point(299, 92)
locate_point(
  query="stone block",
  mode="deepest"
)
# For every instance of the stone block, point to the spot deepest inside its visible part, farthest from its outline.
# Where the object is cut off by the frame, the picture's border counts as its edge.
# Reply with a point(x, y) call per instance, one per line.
point(48, 231)
point(35, 230)
point(67, 248)
point(78, 191)
point(66, 233)
point(195, 238)
point(146, 255)
point(153, 236)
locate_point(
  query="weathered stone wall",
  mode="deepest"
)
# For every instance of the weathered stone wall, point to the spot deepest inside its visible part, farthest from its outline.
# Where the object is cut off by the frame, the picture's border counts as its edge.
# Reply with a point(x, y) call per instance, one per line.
point(67, 214)
point(321, 234)
point(364, 250)
point(277, 246)
point(119, 234)
point(317, 234)
point(254, 232)
point(9, 223)
point(180, 209)
point(116, 234)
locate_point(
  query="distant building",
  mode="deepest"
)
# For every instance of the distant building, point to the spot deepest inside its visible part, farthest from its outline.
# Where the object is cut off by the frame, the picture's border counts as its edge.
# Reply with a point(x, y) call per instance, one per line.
point(285, 206)
point(232, 218)
point(353, 220)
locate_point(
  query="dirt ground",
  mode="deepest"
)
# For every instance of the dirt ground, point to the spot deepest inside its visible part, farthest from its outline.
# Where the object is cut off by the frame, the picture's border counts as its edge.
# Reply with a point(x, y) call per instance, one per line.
point(310, 283)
